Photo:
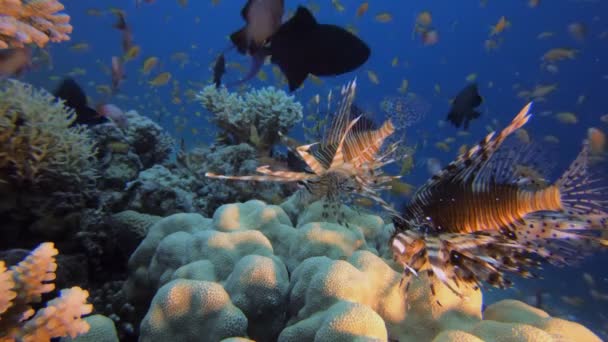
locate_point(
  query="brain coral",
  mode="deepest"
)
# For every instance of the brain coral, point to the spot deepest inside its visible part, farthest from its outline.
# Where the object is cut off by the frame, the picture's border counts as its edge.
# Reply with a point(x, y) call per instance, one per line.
point(318, 281)
point(37, 142)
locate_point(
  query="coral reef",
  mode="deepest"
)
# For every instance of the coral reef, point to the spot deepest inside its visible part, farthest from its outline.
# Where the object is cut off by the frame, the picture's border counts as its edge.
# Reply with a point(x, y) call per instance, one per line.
point(158, 191)
point(48, 169)
point(102, 329)
point(316, 281)
point(32, 22)
point(255, 118)
point(124, 153)
point(38, 144)
point(235, 160)
point(23, 285)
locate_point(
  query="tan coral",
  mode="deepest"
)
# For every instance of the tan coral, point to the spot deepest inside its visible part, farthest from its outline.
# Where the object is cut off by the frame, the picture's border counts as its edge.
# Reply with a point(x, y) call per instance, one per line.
point(37, 142)
point(32, 22)
point(30, 279)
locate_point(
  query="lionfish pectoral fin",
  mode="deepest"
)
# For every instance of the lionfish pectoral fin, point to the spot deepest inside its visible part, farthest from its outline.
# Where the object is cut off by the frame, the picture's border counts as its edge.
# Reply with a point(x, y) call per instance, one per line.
point(583, 191)
point(471, 163)
point(310, 159)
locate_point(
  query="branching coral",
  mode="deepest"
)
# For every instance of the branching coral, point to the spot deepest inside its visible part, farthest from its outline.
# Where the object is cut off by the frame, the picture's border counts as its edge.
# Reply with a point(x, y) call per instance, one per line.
point(23, 285)
point(255, 118)
point(36, 141)
point(32, 22)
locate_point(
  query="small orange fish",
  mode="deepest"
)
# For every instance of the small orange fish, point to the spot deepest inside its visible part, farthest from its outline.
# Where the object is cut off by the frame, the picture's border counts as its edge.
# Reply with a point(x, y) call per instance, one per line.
point(161, 79)
point(362, 9)
point(384, 17)
point(500, 26)
point(597, 140)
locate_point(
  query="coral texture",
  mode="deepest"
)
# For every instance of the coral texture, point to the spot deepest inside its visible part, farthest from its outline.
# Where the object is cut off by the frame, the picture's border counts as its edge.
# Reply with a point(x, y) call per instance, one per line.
point(255, 118)
point(32, 22)
point(23, 285)
point(316, 281)
point(37, 143)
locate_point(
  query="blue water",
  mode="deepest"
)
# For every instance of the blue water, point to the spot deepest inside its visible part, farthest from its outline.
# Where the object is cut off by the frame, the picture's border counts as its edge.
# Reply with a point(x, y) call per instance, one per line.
point(164, 28)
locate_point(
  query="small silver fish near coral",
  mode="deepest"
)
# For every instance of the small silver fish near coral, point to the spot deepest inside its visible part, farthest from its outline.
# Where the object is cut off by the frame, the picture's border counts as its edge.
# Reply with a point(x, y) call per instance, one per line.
point(115, 114)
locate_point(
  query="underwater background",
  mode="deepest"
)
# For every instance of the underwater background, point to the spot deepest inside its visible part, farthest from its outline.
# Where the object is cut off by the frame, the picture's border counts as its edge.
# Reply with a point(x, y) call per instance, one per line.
point(187, 36)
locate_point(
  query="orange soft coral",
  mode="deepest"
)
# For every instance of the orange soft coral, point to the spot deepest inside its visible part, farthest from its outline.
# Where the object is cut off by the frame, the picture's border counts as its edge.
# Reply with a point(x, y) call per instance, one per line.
point(23, 285)
point(32, 22)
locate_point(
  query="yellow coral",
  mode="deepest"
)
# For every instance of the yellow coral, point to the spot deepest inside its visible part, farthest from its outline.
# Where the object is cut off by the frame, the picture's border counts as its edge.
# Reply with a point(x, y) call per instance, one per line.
point(32, 22)
point(23, 285)
point(36, 140)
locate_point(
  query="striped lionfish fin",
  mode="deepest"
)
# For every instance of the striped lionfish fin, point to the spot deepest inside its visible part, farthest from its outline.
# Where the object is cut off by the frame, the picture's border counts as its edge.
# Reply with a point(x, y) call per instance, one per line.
point(561, 238)
point(363, 147)
point(310, 159)
point(457, 259)
point(342, 118)
point(338, 158)
point(469, 164)
point(287, 175)
point(271, 176)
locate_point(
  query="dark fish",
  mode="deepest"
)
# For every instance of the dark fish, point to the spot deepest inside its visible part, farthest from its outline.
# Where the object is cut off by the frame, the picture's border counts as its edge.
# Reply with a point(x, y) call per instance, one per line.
point(463, 107)
point(302, 46)
point(219, 69)
point(475, 221)
point(263, 18)
point(74, 97)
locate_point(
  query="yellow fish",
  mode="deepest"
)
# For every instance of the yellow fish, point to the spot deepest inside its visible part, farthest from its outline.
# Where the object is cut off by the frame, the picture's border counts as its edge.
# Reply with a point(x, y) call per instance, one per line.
point(395, 62)
point(364, 202)
point(262, 76)
point(424, 19)
point(442, 146)
point(566, 117)
point(471, 77)
point(401, 188)
point(559, 54)
point(403, 88)
point(160, 79)
point(149, 64)
point(500, 26)
point(463, 149)
point(551, 139)
point(80, 47)
point(132, 53)
point(545, 35)
point(373, 77)
point(362, 9)
point(337, 5)
point(384, 17)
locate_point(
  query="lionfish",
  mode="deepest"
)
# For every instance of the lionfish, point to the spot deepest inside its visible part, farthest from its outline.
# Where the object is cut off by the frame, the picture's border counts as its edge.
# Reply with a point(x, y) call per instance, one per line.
point(477, 220)
point(348, 160)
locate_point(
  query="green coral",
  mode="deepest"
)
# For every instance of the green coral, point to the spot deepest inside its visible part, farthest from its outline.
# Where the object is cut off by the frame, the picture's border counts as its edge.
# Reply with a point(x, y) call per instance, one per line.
point(37, 142)
point(255, 118)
